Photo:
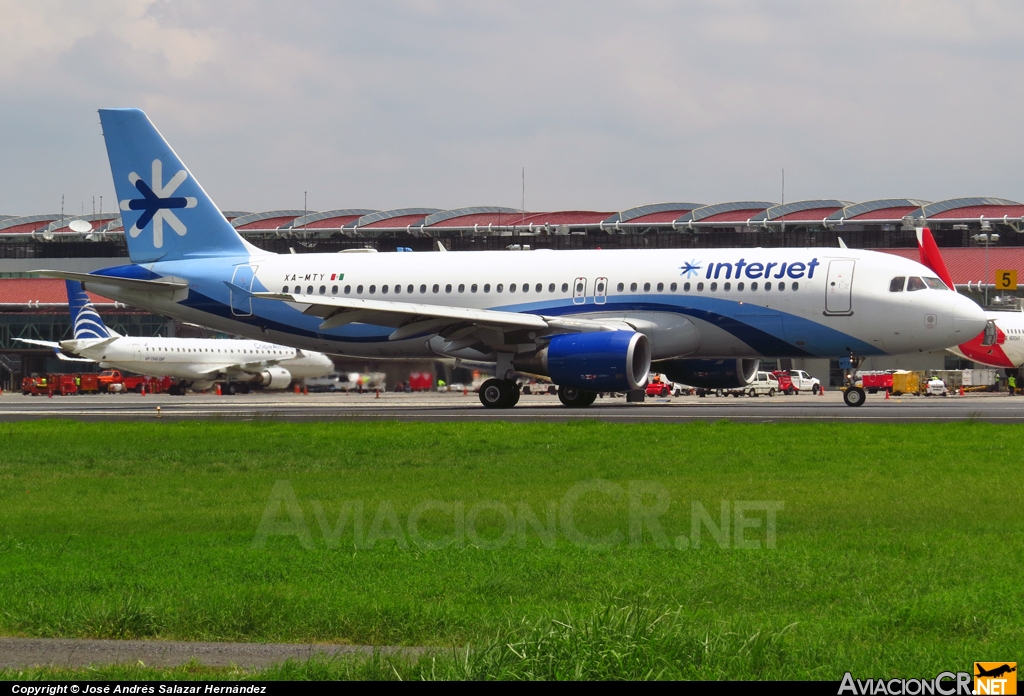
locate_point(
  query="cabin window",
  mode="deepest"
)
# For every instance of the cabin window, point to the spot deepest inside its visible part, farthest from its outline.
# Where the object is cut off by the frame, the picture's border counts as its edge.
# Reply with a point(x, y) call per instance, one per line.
point(661, 287)
point(714, 286)
point(487, 287)
point(782, 286)
point(767, 286)
point(739, 287)
point(410, 288)
point(309, 290)
point(359, 290)
point(448, 287)
point(398, 289)
point(511, 288)
point(673, 287)
point(334, 289)
point(551, 287)
point(323, 289)
point(796, 286)
point(686, 287)
point(896, 284)
point(499, 288)
point(285, 290)
point(647, 287)
point(526, 287)
point(373, 289)
point(632, 287)
point(436, 288)
point(620, 287)
point(423, 289)
point(538, 287)
point(700, 287)
point(472, 288)
point(348, 289)
point(914, 283)
point(384, 289)
point(753, 286)
point(462, 287)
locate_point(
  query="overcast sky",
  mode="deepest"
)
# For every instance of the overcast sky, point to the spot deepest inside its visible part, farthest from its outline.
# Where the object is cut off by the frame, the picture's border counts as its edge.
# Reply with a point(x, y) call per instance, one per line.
point(607, 105)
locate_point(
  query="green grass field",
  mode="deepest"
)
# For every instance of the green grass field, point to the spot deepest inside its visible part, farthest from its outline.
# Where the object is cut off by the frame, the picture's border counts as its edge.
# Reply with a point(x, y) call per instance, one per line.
point(897, 548)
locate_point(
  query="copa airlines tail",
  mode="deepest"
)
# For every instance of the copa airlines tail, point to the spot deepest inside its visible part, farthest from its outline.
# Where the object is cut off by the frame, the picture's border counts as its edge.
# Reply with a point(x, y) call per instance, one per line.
point(85, 320)
point(591, 321)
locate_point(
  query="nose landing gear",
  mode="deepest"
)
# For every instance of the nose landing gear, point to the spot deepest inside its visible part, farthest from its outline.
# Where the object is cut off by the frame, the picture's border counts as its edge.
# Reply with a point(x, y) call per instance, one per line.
point(854, 395)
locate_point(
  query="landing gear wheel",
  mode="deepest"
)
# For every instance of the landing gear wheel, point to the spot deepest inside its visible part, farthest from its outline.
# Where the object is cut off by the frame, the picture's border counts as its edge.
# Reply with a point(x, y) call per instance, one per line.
point(854, 396)
point(499, 393)
point(576, 398)
point(230, 389)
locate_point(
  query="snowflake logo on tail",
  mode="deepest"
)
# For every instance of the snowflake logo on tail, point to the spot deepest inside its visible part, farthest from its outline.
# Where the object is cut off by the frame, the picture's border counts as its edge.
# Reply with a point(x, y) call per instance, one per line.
point(157, 203)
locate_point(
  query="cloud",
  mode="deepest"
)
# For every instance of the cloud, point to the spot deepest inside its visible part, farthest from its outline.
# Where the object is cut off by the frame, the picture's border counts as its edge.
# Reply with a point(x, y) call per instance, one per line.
point(607, 105)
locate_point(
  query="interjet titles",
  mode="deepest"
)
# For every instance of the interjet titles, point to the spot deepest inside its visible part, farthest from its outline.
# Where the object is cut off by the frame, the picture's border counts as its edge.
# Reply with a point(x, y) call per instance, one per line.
point(755, 270)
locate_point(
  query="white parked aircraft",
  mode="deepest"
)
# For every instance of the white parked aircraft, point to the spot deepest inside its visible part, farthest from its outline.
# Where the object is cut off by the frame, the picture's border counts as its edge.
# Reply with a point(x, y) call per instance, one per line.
point(591, 321)
point(197, 363)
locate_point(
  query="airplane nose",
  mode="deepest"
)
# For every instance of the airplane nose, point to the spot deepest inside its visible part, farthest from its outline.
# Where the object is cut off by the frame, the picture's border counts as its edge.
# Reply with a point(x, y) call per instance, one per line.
point(968, 319)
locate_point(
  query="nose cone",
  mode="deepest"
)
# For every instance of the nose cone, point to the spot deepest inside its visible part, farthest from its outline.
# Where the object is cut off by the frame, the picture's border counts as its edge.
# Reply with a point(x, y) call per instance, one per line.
point(968, 319)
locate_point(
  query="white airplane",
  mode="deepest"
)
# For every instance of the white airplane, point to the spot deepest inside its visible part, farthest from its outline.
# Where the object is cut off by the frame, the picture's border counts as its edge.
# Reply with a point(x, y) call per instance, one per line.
point(197, 363)
point(591, 321)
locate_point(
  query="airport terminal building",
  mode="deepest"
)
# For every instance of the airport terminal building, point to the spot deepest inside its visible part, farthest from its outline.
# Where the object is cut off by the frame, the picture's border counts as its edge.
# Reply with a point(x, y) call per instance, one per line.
point(977, 235)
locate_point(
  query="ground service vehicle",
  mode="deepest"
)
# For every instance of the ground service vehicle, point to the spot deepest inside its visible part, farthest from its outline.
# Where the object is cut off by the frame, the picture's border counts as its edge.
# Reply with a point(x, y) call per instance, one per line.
point(785, 382)
point(764, 383)
point(936, 387)
point(803, 382)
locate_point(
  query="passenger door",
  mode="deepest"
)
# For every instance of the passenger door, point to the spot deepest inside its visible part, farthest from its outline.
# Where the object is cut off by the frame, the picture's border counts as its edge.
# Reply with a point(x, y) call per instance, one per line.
point(839, 287)
point(241, 286)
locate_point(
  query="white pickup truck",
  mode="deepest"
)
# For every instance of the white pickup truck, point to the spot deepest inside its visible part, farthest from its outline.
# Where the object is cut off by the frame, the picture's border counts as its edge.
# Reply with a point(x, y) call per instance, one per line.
point(803, 382)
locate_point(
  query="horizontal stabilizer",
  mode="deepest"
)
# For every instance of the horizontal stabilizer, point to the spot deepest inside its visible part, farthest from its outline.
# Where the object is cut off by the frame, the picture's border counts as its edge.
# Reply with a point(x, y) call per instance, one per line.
point(135, 284)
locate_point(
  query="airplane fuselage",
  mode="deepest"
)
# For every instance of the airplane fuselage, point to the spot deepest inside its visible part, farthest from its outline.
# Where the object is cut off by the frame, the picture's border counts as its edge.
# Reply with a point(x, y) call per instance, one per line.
point(814, 302)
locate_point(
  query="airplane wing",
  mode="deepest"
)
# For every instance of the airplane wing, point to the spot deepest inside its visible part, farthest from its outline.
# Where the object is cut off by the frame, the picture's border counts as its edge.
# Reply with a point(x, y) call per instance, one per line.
point(64, 357)
point(48, 344)
point(411, 318)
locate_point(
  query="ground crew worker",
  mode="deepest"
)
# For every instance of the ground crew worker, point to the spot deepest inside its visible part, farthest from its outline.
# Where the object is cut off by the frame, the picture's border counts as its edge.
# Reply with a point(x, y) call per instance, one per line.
point(1011, 384)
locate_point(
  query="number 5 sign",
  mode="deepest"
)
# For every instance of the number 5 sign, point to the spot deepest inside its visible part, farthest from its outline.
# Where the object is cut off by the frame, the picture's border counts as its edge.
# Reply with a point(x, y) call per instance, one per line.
point(1006, 279)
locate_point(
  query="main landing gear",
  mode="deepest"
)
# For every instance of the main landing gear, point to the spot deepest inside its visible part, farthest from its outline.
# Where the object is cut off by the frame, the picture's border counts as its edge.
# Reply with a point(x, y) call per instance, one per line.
point(499, 393)
point(575, 398)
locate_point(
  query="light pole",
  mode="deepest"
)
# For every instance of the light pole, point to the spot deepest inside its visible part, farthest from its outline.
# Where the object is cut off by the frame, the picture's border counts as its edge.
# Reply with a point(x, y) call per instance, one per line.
point(987, 238)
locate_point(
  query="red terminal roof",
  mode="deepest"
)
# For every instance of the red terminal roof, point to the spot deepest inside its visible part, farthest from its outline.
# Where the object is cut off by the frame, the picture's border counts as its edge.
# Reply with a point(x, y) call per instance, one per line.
point(976, 211)
point(565, 217)
point(44, 290)
point(733, 216)
point(887, 214)
point(810, 215)
point(267, 223)
point(329, 223)
point(483, 219)
point(396, 222)
point(662, 216)
point(967, 264)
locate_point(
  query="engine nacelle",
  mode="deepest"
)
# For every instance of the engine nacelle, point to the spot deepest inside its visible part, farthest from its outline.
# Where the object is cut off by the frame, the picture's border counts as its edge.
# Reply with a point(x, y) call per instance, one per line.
point(274, 377)
point(599, 361)
point(731, 373)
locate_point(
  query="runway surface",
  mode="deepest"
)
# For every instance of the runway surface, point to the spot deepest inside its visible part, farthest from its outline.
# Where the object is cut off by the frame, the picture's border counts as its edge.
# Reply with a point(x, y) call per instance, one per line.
point(454, 407)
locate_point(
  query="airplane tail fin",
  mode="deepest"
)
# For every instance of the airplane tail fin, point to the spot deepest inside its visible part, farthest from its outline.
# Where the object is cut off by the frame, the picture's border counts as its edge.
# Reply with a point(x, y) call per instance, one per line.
point(931, 257)
point(166, 213)
point(84, 317)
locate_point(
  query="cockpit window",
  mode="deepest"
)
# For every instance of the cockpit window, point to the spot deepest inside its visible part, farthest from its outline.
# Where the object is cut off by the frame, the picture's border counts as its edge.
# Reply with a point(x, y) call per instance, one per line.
point(915, 283)
point(896, 284)
point(935, 284)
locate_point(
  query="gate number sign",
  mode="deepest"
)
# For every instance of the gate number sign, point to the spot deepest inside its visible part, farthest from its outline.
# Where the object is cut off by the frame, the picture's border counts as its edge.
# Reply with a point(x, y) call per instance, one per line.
point(1006, 279)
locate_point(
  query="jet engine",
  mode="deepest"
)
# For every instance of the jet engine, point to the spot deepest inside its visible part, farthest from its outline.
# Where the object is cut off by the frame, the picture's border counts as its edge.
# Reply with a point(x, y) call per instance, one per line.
point(710, 374)
point(597, 362)
point(274, 377)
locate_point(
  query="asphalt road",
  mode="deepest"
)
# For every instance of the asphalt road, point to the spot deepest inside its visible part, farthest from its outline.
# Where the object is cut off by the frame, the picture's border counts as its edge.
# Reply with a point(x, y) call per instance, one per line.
point(20, 653)
point(437, 407)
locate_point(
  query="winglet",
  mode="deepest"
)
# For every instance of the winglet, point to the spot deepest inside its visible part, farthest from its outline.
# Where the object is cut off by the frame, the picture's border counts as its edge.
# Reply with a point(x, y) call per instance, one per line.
point(931, 257)
point(842, 244)
point(440, 246)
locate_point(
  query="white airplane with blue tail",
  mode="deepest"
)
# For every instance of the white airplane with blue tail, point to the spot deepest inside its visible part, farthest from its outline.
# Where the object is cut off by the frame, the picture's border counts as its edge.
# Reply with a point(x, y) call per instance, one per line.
point(591, 321)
